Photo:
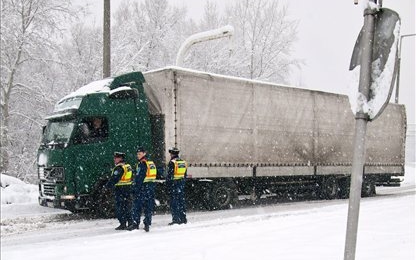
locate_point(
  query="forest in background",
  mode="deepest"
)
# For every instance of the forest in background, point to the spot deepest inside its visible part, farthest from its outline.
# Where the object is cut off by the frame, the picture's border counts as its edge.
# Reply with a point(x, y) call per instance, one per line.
point(49, 50)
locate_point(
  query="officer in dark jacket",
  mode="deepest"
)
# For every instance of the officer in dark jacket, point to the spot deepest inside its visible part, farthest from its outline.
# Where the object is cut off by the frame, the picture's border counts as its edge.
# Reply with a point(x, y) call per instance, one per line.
point(175, 180)
point(143, 191)
point(121, 181)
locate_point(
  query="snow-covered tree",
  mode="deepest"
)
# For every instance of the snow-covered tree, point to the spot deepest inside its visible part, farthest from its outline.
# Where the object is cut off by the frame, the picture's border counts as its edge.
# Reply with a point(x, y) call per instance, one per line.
point(81, 56)
point(261, 45)
point(29, 29)
point(145, 35)
point(40, 62)
point(212, 55)
point(266, 35)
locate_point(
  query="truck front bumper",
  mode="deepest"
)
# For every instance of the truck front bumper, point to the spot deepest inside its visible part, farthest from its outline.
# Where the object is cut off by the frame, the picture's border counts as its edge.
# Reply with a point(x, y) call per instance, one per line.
point(69, 202)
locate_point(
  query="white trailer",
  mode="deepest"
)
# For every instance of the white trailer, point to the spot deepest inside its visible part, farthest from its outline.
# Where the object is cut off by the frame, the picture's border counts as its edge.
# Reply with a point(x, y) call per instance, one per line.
point(241, 136)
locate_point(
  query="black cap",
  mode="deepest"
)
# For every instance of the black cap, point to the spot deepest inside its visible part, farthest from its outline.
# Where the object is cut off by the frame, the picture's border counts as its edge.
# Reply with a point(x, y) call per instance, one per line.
point(119, 155)
point(174, 150)
point(141, 149)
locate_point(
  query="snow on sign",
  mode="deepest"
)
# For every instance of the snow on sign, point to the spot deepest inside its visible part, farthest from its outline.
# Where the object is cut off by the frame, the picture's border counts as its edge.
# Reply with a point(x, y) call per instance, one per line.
point(383, 68)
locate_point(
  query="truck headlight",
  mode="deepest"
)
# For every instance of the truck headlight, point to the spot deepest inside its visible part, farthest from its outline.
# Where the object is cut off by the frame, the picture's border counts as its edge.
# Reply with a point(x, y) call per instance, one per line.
point(68, 197)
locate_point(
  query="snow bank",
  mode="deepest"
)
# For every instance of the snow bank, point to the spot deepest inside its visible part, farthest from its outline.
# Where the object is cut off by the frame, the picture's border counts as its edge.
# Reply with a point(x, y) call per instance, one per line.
point(14, 190)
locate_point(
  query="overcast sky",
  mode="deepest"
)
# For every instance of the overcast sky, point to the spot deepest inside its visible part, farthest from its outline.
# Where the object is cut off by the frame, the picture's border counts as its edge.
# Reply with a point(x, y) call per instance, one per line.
point(327, 33)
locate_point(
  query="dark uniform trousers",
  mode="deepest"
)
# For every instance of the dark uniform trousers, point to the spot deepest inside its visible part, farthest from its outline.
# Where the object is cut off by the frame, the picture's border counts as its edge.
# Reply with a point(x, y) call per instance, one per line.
point(122, 203)
point(143, 199)
point(177, 202)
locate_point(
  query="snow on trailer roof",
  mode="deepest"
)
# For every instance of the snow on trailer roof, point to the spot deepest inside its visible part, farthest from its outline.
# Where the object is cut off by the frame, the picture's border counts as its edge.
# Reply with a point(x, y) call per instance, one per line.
point(176, 68)
point(104, 84)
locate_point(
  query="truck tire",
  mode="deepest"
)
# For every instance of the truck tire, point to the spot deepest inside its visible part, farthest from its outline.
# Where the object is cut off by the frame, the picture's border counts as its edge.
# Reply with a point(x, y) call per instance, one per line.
point(330, 188)
point(102, 202)
point(344, 186)
point(368, 189)
point(255, 195)
point(223, 195)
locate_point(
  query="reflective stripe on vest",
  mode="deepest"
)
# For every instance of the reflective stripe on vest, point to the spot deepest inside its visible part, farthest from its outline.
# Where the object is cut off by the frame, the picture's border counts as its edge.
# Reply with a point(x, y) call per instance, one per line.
point(180, 169)
point(127, 174)
point(151, 172)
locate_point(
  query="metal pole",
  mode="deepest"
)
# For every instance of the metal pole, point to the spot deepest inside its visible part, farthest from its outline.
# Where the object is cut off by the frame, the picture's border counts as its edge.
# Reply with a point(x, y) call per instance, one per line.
point(359, 141)
point(107, 40)
point(399, 60)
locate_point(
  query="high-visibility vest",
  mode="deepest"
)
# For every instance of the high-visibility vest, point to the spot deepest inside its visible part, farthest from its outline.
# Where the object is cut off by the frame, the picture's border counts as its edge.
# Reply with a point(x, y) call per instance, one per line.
point(151, 172)
point(180, 169)
point(127, 175)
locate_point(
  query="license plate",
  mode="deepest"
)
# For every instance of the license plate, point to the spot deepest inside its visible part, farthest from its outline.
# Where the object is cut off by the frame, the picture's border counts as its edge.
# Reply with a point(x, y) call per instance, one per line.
point(49, 204)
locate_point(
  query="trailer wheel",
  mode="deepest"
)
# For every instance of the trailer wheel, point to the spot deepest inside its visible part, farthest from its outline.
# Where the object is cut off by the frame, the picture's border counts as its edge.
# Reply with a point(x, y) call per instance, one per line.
point(344, 186)
point(204, 195)
point(223, 195)
point(330, 188)
point(368, 189)
point(255, 195)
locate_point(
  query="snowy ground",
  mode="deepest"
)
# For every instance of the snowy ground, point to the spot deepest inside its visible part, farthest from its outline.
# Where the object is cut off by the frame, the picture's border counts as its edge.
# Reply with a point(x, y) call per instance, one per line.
point(296, 230)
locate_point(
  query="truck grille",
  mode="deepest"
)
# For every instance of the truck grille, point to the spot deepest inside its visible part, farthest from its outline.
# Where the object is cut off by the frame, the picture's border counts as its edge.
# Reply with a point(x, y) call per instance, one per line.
point(54, 173)
point(49, 189)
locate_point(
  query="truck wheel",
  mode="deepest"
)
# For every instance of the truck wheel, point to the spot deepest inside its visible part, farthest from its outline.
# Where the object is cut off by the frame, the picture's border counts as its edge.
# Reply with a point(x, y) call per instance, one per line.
point(205, 196)
point(330, 188)
point(223, 195)
point(368, 189)
point(102, 203)
point(344, 186)
point(255, 195)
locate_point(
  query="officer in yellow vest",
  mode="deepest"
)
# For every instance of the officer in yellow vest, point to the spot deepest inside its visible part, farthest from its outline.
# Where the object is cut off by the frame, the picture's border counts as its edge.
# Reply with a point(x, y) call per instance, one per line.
point(121, 181)
point(143, 190)
point(175, 181)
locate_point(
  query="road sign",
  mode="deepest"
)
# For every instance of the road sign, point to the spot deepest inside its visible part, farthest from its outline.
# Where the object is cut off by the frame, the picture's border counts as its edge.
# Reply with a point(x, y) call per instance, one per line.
point(384, 59)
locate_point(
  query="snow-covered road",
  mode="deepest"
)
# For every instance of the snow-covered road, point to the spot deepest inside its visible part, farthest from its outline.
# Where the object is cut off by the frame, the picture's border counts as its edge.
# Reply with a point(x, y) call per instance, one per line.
point(295, 230)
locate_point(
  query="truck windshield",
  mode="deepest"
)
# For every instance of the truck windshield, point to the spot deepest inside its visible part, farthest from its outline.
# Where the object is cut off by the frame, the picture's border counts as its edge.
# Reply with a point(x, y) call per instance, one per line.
point(58, 132)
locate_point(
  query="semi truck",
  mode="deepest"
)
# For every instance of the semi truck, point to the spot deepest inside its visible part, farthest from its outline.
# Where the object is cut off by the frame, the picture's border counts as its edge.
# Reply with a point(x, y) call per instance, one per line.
point(238, 136)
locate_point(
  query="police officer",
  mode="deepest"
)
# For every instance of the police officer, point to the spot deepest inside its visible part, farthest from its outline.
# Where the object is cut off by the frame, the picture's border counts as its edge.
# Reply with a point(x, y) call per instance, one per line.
point(121, 180)
point(143, 190)
point(175, 180)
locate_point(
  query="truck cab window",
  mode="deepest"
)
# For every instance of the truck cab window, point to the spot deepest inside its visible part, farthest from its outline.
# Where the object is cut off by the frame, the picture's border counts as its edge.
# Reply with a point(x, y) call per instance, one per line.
point(93, 129)
point(57, 132)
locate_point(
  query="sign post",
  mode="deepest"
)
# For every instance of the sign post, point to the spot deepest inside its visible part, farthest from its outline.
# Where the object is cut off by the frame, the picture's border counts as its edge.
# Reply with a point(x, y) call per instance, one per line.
point(380, 26)
point(359, 139)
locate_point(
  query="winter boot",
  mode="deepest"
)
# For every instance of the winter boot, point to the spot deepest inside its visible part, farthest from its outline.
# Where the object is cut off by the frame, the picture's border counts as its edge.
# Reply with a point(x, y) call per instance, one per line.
point(133, 227)
point(146, 228)
point(121, 227)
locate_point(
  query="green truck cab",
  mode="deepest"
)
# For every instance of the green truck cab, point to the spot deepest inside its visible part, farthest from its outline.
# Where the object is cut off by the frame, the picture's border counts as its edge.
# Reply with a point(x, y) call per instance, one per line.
point(75, 157)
